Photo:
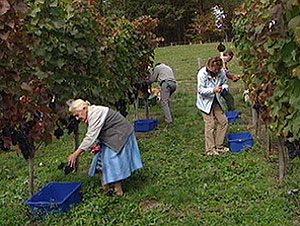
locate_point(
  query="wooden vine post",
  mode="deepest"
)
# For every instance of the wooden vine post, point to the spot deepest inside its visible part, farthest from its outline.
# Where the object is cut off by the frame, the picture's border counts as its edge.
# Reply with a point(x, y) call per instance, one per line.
point(269, 141)
point(76, 144)
point(282, 160)
point(147, 107)
point(31, 176)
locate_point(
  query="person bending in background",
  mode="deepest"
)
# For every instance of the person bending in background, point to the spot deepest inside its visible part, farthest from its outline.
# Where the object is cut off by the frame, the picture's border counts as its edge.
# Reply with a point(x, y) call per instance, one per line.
point(120, 154)
point(165, 75)
point(211, 83)
point(228, 56)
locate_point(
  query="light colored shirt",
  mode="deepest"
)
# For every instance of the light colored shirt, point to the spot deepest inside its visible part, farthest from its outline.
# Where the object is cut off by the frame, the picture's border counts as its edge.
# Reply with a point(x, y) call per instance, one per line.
point(96, 118)
point(162, 72)
point(205, 89)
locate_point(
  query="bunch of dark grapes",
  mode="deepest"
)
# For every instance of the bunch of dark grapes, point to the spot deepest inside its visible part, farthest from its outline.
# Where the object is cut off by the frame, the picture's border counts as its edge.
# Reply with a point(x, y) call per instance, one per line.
point(143, 87)
point(63, 121)
point(7, 131)
point(131, 96)
point(257, 108)
point(121, 106)
point(27, 127)
point(26, 145)
point(72, 126)
point(52, 103)
point(293, 148)
point(58, 133)
point(66, 168)
point(2, 147)
point(20, 137)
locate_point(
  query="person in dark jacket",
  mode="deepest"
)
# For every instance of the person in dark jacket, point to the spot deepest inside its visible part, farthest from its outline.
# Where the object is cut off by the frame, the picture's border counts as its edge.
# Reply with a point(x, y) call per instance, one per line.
point(227, 57)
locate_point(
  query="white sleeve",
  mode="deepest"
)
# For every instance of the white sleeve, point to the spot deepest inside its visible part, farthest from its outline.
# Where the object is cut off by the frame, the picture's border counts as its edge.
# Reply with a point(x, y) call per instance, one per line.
point(202, 87)
point(96, 121)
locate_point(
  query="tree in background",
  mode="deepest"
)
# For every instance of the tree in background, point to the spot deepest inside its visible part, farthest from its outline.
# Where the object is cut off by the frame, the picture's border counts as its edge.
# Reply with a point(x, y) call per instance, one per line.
point(203, 29)
point(213, 26)
point(175, 17)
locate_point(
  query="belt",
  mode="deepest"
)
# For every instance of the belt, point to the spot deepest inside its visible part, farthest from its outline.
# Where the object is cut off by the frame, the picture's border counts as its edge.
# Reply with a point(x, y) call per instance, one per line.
point(161, 82)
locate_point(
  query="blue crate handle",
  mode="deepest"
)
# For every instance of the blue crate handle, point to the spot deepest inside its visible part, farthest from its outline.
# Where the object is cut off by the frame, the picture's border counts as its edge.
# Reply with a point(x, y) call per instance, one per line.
point(240, 140)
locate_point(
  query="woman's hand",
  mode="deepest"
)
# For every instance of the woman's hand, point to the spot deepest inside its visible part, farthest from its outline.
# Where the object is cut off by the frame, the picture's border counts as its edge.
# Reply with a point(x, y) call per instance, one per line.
point(73, 158)
point(235, 78)
point(218, 90)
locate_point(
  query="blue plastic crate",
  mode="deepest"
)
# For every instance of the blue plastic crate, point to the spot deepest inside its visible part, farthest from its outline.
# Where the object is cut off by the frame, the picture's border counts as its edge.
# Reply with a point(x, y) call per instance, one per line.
point(239, 141)
point(232, 116)
point(145, 125)
point(56, 196)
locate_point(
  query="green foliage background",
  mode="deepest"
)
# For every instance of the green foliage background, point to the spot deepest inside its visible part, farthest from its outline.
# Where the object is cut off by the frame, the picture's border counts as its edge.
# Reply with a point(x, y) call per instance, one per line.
point(88, 55)
point(267, 39)
point(176, 17)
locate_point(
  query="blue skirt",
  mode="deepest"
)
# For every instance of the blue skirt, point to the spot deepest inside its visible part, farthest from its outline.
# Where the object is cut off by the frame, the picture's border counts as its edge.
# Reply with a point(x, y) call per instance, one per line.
point(117, 166)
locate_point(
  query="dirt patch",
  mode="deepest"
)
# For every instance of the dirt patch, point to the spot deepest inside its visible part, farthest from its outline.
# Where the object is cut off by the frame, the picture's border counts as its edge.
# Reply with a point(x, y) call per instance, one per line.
point(297, 222)
point(140, 135)
point(151, 204)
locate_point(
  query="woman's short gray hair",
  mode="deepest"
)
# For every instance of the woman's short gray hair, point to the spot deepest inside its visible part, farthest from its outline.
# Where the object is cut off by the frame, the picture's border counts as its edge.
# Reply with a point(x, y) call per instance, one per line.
point(77, 105)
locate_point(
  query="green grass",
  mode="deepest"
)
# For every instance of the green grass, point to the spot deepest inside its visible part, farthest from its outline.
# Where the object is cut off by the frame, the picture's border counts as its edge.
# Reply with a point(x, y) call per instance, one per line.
point(179, 184)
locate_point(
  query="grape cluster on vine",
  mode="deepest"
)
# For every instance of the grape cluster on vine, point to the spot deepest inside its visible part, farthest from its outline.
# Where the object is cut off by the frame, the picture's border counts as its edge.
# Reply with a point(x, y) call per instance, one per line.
point(71, 124)
point(20, 138)
point(293, 148)
point(121, 106)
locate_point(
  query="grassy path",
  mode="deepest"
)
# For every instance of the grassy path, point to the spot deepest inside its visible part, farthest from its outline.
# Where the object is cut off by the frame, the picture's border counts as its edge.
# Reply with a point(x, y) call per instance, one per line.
point(179, 184)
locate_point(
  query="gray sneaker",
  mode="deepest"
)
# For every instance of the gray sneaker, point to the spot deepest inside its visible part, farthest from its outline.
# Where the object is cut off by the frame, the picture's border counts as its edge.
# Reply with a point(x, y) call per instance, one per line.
point(212, 152)
point(222, 149)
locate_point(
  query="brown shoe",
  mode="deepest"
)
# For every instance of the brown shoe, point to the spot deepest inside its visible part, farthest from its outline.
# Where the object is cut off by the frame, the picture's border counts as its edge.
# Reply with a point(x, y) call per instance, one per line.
point(106, 189)
point(118, 191)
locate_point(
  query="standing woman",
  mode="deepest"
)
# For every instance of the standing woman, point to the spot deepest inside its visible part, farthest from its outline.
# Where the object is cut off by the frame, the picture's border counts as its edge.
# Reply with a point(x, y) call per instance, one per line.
point(212, 82)
point(119, 155)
